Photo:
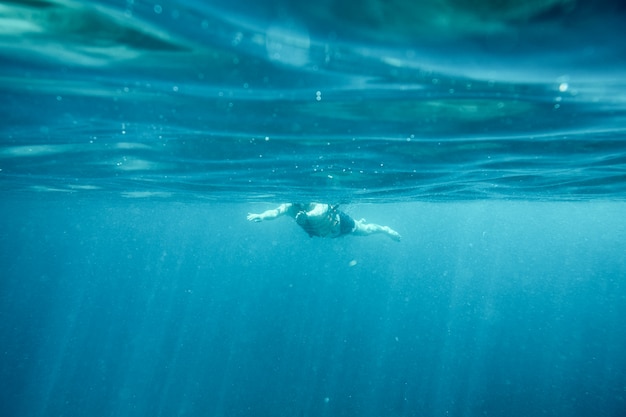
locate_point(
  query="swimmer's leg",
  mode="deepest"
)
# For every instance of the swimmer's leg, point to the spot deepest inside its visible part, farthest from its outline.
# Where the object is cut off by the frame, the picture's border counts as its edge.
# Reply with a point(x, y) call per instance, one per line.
point(364, 229)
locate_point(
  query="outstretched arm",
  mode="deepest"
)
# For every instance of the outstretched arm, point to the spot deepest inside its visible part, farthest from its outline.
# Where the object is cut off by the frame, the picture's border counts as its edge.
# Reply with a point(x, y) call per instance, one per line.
point(270, 214)
point(365, 229)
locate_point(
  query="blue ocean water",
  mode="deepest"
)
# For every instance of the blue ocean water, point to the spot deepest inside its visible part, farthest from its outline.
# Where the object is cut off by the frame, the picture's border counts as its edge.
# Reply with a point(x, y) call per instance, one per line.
point(136, 137)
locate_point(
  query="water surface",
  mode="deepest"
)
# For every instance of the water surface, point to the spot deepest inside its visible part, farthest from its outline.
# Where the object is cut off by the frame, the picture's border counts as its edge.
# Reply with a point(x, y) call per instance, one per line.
point(272, 100)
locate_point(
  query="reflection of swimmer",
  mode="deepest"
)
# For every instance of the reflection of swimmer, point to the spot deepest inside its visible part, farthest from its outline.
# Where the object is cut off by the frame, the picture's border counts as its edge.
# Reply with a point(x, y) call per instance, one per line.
point(324, 220)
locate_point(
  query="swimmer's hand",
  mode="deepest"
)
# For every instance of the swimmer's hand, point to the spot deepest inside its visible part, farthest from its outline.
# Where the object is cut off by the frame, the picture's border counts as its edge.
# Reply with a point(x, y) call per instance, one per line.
point(255, 217)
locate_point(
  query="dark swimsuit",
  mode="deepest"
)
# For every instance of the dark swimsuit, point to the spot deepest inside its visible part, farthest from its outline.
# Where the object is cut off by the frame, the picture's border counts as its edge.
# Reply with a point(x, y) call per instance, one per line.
point(346, 223)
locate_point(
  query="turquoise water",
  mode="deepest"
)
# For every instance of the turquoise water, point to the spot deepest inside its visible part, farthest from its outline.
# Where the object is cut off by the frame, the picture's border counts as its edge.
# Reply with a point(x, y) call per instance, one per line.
point(136, 137)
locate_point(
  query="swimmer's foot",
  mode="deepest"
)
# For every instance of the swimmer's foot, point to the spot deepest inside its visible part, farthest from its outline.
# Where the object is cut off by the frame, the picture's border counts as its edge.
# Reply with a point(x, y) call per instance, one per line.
point(393, 234)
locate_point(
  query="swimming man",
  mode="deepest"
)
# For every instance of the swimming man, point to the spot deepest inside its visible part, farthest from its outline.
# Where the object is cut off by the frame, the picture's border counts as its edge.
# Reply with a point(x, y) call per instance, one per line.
point(324, 220)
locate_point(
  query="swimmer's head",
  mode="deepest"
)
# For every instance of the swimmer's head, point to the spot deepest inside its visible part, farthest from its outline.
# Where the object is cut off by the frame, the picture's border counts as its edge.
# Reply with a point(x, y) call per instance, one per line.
point(301, 218)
